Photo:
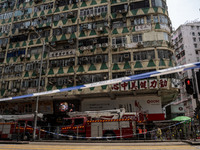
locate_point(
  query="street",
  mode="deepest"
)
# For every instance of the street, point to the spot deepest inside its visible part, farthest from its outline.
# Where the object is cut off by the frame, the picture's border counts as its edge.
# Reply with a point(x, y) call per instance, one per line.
point(99, 146)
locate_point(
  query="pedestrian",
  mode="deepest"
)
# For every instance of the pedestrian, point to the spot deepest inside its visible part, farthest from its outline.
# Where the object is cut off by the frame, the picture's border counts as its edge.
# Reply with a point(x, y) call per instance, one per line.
point(159, 134)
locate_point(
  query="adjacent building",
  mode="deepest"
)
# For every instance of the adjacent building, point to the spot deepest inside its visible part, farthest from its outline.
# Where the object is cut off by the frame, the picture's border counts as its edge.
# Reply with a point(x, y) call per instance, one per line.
point(186, 40)
point(85, 41)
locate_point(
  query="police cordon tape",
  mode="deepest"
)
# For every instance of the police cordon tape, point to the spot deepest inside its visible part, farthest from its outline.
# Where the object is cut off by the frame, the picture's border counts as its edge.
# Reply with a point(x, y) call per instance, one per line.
point(113, 81)
point(112, 137)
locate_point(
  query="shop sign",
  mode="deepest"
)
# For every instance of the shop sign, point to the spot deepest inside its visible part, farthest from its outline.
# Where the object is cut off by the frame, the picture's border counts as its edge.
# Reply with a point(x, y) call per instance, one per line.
point(143, 27)
point(140, 85)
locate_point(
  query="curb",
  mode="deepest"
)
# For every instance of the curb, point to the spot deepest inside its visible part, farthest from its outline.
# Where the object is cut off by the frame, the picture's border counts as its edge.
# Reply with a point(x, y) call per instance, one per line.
point(14, 142)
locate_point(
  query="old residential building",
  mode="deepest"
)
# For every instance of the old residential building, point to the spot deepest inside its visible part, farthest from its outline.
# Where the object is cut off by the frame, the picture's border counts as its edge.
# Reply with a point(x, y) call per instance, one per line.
point(85, 41)
point(186, 40)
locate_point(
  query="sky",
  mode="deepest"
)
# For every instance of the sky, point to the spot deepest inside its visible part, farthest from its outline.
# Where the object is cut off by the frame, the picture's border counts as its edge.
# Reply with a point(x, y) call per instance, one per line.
point(181, 11)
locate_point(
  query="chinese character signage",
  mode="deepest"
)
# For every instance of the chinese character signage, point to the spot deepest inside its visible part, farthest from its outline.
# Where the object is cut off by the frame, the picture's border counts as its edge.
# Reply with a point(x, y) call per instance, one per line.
point(141, 85)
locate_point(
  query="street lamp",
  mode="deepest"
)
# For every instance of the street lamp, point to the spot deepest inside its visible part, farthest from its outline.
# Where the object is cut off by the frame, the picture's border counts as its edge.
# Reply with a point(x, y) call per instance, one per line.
point(38, 90)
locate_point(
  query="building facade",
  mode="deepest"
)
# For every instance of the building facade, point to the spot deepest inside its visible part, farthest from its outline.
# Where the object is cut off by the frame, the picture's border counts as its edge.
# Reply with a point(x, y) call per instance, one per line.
point(186, 40)
point(85, 41)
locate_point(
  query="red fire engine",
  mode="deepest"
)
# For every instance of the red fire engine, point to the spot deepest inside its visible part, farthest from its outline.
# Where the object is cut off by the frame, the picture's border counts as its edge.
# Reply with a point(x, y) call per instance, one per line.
point(99, 124)
point(19, 127)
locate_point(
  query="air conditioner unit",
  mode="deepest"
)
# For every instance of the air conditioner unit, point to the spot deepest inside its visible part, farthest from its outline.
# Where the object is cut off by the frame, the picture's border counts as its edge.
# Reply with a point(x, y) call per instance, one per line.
point(98, 45)
point(63, 53)
point(98, 15)
point(132, 19)
point(114, 46)
point(83, 48)
point(23, 89)
point(22, 56)
point(51, 54)
point(90, 15)
point(14, 90)
point(140, 44)
point(71, 41)
point(70, 14)
point(28, 56)
point(90, 47)
point(85, 26)
point(70, 52)
point(99, 28)
point(119, 11)
point(126, 56)
point(105, 45)
point(121, 45)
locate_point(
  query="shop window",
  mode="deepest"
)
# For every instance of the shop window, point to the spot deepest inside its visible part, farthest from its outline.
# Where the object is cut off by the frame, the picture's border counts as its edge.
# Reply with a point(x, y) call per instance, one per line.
point(136, 38)
point(144, 55)
point(141, 4)
point(121, 57)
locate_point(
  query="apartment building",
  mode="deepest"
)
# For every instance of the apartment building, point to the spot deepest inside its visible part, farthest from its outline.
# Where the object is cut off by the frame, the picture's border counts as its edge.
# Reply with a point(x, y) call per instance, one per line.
point(85, 41)
point(186, 40)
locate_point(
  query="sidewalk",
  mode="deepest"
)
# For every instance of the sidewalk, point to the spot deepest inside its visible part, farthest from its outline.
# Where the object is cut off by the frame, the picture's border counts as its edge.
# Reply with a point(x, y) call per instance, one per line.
point(138, 142)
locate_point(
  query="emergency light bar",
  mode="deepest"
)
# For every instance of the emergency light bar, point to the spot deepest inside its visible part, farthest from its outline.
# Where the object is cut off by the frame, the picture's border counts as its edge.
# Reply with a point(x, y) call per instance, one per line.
point(113, 81)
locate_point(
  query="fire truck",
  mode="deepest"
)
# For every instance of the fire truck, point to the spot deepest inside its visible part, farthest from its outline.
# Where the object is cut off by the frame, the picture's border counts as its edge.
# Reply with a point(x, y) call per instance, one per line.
point(108, 124)
point(17, 127)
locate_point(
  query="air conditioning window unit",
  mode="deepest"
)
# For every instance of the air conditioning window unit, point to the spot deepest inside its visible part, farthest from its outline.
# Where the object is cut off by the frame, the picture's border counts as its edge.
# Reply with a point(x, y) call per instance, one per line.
point(63, 53)
point(105, 45)
point(71, 41)
point(126, 56)
point(99, 28)
point(140, 44)
point(28, 56)
point(122, 45)
point(114, 46)
point(14, 90)
point(90, 47)
point(98, 45)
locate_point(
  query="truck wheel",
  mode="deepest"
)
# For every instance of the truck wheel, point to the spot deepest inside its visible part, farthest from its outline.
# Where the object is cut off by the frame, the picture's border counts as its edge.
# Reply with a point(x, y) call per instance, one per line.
point(109, 136)
point(71, 136)
point(25, 137)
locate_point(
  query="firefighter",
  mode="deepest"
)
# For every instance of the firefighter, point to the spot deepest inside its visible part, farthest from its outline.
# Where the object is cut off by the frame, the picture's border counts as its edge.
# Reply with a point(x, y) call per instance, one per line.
point(159, 133)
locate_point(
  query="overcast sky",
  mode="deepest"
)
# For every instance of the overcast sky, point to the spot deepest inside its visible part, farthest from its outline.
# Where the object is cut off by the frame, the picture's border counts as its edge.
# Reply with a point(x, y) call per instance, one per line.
point(181, 11)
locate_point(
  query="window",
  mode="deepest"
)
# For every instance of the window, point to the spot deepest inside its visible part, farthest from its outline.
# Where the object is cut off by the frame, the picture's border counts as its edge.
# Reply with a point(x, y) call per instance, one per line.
point(193, 34)
point(137, 38)
point(166, 36)
point(67, 122)
point(155, 19)
point(198, 33)
point(138, 20)
point(163, 19)
point(121, 57)
point(192, 27)
point(141, 4)
point(144, 55)
point(158, 3)
point(194, 39)
point(164, 54)
point(148, 19)
point(197, 27)
point(118, 24)
point(195, 45)
point(119, 40)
